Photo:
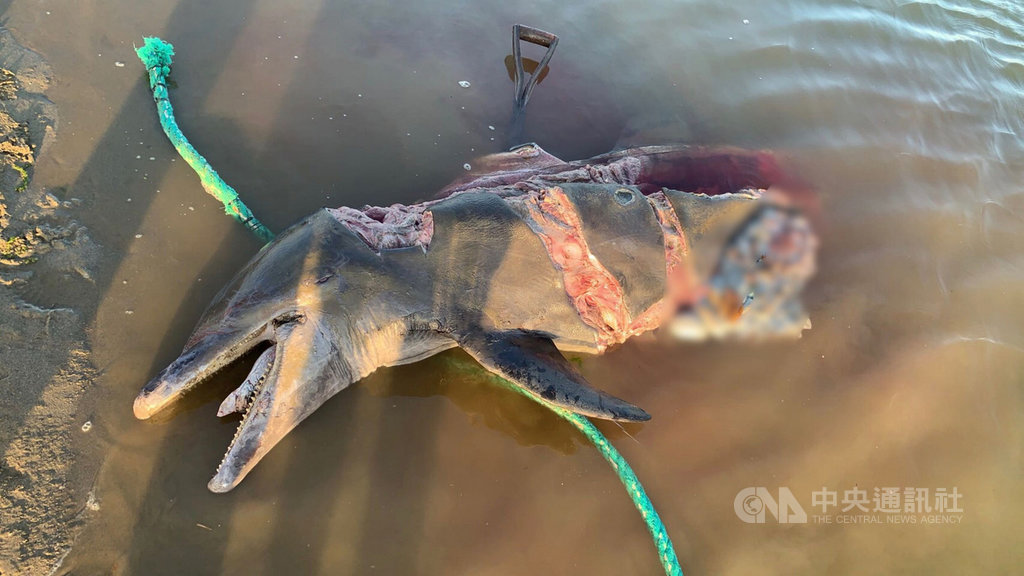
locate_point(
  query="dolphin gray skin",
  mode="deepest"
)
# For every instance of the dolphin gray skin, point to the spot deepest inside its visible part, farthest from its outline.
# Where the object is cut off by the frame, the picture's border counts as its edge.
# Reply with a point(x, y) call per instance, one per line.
point(530, 257)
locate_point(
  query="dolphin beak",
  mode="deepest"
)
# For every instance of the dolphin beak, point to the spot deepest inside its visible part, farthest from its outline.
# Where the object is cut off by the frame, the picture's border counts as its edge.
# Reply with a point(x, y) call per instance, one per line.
point(306, 369)
point(196, 363)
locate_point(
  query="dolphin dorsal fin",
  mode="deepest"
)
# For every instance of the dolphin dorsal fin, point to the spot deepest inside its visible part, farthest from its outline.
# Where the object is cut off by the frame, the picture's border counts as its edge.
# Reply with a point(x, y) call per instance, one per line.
point(532, 362)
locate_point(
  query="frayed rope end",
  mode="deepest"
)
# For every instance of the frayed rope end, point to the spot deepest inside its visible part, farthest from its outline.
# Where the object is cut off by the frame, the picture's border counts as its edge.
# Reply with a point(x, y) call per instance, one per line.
point(156, 53)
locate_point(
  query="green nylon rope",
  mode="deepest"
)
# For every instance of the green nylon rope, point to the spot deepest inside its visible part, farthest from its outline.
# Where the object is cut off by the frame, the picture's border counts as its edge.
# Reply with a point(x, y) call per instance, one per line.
point(666, 552)
point(156, 55)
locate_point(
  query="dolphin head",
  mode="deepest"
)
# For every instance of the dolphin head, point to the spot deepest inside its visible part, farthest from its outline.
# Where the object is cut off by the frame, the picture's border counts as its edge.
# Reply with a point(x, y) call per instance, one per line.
point(281, 298)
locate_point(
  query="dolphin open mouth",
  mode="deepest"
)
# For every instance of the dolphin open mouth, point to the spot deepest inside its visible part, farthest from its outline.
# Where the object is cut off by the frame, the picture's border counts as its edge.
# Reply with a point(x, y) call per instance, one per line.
point(200, 362)
point(201, 359)
point(263, 400)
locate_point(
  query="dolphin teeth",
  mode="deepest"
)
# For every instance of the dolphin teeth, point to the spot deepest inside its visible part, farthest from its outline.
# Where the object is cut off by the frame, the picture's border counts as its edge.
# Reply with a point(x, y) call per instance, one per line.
point(241, 398)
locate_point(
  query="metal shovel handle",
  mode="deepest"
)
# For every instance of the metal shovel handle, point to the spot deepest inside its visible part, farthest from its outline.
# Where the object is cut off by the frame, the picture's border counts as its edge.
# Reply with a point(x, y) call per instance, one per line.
point(524, 86)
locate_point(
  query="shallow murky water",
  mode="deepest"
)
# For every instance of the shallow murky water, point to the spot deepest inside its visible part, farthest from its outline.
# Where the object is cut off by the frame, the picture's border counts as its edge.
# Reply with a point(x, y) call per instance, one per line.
point(905, 116)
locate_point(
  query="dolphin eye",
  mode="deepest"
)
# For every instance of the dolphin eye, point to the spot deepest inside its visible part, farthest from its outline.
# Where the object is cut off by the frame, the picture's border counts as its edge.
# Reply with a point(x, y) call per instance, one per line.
point(320, 275)
point(624, 197)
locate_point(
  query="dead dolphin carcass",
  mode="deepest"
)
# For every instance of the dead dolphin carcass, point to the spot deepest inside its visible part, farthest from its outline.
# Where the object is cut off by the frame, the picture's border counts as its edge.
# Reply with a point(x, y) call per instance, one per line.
point(522, 259)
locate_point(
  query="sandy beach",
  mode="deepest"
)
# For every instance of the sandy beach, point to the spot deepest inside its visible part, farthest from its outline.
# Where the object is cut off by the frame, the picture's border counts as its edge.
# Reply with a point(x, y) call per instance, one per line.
point(44, 360)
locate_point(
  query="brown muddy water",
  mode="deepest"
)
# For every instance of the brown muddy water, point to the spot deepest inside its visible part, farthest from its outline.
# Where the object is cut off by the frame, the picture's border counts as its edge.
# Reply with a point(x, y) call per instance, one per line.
point(905, 116)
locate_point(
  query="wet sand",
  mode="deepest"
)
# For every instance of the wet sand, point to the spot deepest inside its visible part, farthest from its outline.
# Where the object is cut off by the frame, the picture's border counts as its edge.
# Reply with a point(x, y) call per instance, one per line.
point(904, 118)
point(44, 362)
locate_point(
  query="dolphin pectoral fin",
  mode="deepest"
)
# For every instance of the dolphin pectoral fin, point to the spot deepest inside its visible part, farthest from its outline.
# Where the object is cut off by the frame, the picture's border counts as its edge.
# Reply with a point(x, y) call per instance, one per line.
point(533, 363)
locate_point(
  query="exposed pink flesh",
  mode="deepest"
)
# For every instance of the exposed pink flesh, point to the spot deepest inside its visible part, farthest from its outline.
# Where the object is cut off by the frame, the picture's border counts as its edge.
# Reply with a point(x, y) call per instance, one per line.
point(593, 290)
point(682, 286)
point(706, 170)
point(385, 228)
point(402, 226)
point(524, 177)
point(700, 169)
